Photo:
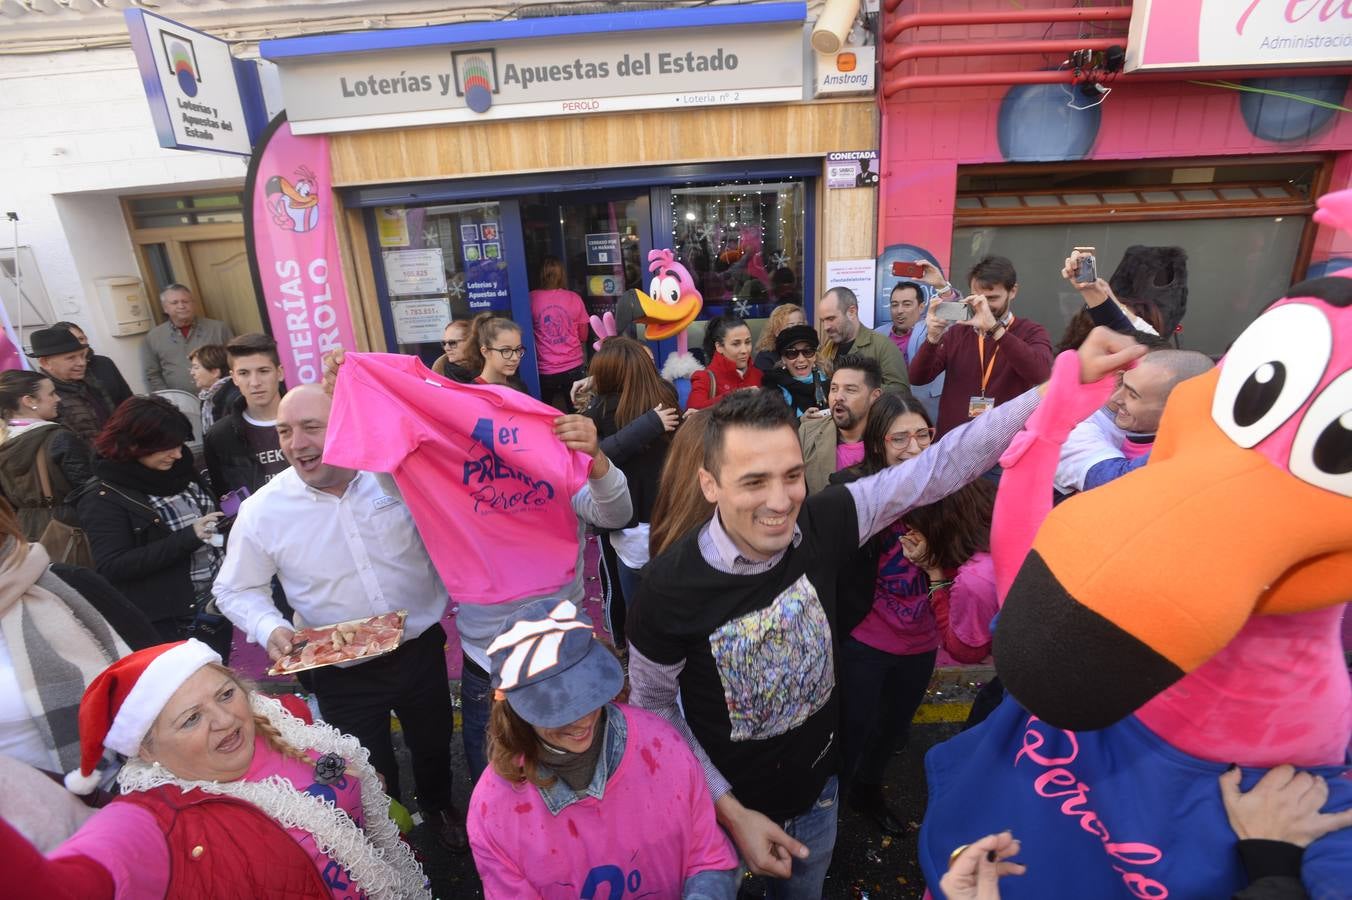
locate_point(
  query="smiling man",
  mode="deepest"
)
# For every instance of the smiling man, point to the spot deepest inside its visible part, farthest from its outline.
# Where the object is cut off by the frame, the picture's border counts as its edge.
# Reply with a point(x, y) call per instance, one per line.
point(906, 330)
point(343, 545)
point(242, 449)
point(1118, 438)
point(735, 620)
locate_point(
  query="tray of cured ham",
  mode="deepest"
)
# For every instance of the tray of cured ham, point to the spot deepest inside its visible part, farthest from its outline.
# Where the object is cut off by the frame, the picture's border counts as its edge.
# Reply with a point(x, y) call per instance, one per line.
point(357, 639)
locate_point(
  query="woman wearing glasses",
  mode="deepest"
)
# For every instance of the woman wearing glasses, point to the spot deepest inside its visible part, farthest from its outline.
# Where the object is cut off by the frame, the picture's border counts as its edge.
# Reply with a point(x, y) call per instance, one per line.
point(893, 636)
point(798, 376)
point(495, 351)
point(453, 362)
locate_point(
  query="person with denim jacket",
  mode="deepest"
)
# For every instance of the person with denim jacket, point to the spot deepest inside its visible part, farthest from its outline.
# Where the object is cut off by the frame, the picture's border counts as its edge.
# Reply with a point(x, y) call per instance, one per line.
point(583, 791)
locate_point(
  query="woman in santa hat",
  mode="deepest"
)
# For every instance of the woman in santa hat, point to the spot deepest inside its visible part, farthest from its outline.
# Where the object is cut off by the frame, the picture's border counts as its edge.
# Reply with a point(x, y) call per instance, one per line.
point(225, 793)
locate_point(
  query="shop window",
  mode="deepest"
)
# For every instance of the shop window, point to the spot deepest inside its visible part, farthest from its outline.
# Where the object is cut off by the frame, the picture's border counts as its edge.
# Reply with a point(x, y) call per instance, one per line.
point(744, 246)
point(441, 263)
point(1240, 222)
point(1235, 267)
point(170, 211)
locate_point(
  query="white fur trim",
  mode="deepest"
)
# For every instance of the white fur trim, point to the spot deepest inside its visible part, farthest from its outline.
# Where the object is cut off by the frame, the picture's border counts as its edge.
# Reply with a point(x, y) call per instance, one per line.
point(375, 857)
point(680, 365)
point(78, 783)
point(165, 674)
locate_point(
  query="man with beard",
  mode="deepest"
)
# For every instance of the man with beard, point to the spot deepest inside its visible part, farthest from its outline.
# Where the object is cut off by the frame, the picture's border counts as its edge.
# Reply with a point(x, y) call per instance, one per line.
point(835, 441)
point(988, 359)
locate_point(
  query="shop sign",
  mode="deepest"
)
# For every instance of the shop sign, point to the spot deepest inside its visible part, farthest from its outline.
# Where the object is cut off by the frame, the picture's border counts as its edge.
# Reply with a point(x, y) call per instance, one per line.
point(1197, 34)
point(848, 72)
point(293, 249)
point(851, 169)
point(859, 276)
point(415, 272)
point(603, 249)
point(604, 72)
point(193, 85)
point(420, 321)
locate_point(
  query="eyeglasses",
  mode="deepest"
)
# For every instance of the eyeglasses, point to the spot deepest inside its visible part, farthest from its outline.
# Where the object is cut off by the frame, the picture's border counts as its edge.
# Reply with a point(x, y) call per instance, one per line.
point(450, 345)
point(510, 352)
point(796, 352)
point(900, 440)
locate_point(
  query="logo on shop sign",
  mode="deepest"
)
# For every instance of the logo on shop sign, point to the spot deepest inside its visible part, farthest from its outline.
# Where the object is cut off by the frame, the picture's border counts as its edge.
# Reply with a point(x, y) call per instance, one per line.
point(476, 77)
point(182, 61)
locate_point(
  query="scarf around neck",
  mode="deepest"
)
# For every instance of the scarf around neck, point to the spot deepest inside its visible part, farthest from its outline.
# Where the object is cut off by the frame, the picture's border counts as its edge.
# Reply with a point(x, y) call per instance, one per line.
point(56, 641)
point(131, 474)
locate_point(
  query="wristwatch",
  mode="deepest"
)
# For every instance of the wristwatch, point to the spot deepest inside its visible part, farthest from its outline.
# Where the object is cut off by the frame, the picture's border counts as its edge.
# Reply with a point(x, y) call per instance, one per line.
point(997, 332)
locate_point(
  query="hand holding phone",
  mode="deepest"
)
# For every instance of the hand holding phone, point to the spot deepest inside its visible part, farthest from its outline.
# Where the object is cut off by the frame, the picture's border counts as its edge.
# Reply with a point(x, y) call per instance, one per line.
point(903, 269)
point(952, 311)
point(1086, 269)
point(230, 502)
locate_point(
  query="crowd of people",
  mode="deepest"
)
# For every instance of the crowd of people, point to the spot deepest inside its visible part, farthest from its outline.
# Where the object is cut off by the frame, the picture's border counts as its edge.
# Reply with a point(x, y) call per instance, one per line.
point(785, 562)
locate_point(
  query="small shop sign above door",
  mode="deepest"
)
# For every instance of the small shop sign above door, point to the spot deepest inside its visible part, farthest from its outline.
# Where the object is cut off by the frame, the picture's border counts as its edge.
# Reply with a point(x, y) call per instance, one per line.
point(707, 56)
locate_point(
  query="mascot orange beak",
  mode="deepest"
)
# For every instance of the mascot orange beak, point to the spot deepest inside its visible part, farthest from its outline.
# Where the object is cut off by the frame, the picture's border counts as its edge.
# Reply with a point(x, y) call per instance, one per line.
point(1133, 585)
point(663, 320)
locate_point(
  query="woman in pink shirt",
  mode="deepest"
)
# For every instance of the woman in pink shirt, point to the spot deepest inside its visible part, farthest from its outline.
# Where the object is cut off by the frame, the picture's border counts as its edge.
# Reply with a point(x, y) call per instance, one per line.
point(586, 796)
point(889, 655)
point(562, 327)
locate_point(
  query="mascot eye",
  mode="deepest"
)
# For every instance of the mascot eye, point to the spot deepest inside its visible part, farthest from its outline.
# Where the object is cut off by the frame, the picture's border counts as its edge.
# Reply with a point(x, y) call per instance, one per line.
point(1270, 372)
point(667, 289)
point(1321, 454)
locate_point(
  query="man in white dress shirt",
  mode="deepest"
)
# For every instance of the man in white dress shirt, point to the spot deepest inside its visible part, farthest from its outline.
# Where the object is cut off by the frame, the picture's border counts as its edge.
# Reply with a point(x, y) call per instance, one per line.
point(344, 546)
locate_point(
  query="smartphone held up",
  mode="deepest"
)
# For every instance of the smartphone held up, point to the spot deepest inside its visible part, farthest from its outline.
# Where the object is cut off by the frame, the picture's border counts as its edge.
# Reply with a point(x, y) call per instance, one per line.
point(1086, 270)
point(902, 269)
point(953, 311)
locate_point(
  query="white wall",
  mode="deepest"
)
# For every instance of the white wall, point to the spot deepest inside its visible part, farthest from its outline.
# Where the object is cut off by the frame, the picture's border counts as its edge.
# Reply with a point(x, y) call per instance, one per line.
point(75, 134)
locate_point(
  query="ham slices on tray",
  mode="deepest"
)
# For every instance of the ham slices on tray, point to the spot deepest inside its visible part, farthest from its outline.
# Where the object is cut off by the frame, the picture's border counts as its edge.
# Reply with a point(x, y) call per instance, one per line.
point(343, 642)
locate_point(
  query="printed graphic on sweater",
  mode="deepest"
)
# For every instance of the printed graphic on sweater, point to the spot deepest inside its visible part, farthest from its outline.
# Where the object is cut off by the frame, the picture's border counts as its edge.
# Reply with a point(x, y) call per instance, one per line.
point(775, 664)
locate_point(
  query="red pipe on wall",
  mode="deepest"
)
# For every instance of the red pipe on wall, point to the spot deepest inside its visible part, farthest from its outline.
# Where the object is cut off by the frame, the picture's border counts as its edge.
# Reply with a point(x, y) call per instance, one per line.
point(965, 79)
point(995, 48)
point(1005, 17)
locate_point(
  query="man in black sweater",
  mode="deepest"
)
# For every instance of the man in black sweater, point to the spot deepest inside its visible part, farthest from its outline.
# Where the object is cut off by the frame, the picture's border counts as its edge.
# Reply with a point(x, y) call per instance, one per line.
point(737, 618)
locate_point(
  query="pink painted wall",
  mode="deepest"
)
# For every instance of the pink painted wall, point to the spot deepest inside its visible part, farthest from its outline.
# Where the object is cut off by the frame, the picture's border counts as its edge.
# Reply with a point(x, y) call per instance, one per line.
point(927, 133)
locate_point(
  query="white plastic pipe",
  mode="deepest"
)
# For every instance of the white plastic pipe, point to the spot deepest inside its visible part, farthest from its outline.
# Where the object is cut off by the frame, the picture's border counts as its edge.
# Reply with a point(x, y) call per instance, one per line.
point(835, 22)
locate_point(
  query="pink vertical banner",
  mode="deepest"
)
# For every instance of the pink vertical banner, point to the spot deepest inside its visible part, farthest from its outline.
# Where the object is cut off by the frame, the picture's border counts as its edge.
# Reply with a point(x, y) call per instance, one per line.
point(293, 249)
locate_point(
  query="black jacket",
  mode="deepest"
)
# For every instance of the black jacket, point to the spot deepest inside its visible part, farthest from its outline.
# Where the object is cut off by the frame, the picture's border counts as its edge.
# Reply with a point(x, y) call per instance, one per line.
point(230, 463)
point(105, 372)
point(137, 552)
point(128, 621)
point(639, 449)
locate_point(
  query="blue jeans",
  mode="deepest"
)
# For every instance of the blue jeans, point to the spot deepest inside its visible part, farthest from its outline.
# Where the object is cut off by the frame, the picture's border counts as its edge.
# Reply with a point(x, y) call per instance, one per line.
point(817, 829)
point(475, 702)
point(628, 582)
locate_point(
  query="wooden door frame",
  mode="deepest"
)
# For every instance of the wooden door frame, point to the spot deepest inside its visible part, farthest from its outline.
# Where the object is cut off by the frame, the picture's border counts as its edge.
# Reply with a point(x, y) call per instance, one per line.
point(175, 239)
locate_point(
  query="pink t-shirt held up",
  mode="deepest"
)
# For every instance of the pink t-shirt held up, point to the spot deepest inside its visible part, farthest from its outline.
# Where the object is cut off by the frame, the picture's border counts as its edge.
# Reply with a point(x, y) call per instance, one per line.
point(479, 467)
point(562, 327)
point(652, 828)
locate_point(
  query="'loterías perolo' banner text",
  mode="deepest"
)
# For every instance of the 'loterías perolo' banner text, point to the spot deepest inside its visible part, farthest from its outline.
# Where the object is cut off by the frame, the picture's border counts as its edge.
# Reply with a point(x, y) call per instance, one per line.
point(293, 249)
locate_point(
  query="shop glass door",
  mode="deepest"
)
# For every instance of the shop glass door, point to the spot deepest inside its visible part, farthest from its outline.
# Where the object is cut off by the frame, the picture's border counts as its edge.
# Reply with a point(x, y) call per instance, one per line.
point(601, 237)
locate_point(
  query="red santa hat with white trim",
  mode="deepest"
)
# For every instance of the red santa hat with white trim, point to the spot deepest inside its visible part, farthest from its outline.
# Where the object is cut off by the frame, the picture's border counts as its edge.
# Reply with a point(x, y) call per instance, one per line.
point(123, 701)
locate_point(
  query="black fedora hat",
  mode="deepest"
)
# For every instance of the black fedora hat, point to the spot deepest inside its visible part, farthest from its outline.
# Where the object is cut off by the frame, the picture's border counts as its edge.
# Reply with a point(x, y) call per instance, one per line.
point(53, 342)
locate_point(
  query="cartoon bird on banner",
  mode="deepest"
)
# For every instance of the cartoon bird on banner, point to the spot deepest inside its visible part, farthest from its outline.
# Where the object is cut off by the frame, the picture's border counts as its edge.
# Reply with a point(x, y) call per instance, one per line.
point(671, 304)
point(294, 207)
point(1176, 633)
